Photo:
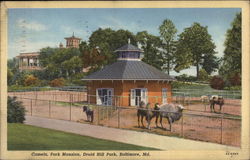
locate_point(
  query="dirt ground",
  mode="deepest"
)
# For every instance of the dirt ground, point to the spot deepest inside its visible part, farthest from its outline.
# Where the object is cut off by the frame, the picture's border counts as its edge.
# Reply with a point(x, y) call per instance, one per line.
point(195, 124)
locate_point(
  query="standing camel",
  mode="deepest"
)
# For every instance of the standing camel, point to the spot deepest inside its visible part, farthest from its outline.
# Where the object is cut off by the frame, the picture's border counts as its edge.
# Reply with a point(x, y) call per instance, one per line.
point(215, 99)
point(171, 112)
point(145, 111)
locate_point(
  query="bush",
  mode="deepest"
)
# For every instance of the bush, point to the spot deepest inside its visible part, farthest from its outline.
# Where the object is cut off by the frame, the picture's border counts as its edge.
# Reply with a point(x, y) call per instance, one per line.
point(31, 80)
point(15, 111)
point(217, 82)
point(203, 76)
point(235, 79)
point(186, 78)
point(59, 82)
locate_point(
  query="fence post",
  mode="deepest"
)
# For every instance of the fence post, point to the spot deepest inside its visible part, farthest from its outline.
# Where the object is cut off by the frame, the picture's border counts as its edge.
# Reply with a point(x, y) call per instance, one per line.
point(98, 116)
point(118, 117)
point(182, 131)
point(49, 110)
point(31, 107)
point(221, 128)
point(88, 97)
point(70, 97)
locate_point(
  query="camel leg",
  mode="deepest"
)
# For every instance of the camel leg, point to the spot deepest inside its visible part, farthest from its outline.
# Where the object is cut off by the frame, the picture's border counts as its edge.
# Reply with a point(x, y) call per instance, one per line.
point(220, 107)
point(211, 107)
point(142, 121)
point(148, 120)
point(170, 124)
point(138, 120)
point(156, 121)
point(161, 121)
point(92, 118)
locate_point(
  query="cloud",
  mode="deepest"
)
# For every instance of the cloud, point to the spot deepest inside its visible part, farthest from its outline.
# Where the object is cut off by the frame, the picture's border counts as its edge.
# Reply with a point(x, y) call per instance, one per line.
point(32, 25)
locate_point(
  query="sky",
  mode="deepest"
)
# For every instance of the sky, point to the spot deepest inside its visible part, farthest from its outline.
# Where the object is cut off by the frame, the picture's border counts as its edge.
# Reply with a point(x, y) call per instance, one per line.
point(29, 30)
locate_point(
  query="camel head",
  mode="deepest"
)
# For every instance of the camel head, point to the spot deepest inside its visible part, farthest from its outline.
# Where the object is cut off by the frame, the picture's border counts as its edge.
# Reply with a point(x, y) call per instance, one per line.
point(84, 108)
point(181, 108)
point(142, 104)
point(157, 106)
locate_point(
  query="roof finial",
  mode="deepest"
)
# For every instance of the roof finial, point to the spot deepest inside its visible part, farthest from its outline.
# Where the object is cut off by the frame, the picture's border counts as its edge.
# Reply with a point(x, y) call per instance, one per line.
point(73, 34)
point(129, 41)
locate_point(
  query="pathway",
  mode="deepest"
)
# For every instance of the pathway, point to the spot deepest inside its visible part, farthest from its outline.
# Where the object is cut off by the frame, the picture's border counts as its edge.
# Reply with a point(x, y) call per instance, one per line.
point(125, 136)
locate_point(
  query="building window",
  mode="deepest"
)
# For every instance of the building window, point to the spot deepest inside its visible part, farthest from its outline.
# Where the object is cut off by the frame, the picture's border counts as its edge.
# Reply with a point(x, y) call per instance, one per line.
point(164, 95)
point(104, 96)
point(137, 95)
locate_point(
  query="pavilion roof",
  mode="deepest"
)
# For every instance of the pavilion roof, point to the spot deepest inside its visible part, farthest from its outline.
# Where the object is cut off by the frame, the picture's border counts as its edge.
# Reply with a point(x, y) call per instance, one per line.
point(129, 70)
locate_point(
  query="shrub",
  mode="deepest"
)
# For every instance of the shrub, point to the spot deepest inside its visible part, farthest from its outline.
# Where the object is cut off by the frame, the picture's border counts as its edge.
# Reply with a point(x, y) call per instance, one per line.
point(31, 80)
point(15, 111)
point(235, 79)
point(186, 78)
point(217, 82)
point(57, 82)
point(203, 76)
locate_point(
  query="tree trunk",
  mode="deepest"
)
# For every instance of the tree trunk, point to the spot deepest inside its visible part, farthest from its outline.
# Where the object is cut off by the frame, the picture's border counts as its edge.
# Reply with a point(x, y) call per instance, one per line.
point(168, 66)
point(197, 70)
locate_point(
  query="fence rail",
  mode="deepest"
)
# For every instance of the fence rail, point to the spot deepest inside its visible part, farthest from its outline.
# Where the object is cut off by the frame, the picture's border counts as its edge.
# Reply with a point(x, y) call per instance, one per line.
point(196, 123)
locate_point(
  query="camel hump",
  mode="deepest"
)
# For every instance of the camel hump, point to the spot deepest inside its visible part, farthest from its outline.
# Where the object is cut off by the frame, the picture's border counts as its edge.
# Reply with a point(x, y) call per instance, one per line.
point(168, 108)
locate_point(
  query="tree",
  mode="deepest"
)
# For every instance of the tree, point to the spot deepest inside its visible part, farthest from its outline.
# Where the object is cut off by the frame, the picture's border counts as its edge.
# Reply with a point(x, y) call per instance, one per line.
point(231, 63)
point(203, 75)
point(15, 111)
point(168, 33)
point(10, 76)
point(102, 44)
point(60, 62)
point(150, 45)
point(193, 47)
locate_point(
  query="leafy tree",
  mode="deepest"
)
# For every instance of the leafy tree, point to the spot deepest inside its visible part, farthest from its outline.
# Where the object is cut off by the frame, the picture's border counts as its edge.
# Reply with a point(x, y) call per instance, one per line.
point(150, 45)
point(231, 63)
point(15, 111)
point(102, 44)
point(210, 63)
point(13, 65)
point(203, 75)
point(194, 45)
point(91, 57)
point(60, 62)
point(235, 79)
point(10, 76)
point(168, 33)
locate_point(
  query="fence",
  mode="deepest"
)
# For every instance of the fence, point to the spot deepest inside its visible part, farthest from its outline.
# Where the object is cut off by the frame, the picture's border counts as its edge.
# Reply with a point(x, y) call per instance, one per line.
point(196, 123)
point(199, 92)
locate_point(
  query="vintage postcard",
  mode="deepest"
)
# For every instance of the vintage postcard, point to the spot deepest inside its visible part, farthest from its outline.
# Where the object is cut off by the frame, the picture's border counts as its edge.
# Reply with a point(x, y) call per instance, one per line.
point(125, 80)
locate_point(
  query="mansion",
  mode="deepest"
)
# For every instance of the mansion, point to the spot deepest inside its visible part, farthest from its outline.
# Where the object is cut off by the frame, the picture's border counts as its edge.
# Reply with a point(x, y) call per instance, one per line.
point(30, 61)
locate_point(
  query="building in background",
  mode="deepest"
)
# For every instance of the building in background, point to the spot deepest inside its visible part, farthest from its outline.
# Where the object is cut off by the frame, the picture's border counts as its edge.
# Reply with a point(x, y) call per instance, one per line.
point(72, 42)
point(30, 61)
point(128, 81)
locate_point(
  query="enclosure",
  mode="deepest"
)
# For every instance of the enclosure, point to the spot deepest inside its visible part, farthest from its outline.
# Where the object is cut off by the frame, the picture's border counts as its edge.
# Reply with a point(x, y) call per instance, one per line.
point(197, 122)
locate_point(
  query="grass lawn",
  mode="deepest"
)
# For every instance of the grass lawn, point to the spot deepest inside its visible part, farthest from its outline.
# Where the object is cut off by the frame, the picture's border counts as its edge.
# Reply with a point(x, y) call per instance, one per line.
point(26, 137)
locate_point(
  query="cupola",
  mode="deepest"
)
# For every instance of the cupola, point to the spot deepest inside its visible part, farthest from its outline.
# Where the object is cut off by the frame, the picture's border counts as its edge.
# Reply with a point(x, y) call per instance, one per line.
point(129, 52)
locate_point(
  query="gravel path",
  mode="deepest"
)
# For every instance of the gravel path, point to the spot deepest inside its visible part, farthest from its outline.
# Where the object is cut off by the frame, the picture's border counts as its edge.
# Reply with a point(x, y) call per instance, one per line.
point(125, 136)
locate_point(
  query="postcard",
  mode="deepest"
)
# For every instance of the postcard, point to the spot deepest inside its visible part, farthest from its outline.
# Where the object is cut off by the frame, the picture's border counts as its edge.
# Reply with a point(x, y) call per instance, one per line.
point(125, 80)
